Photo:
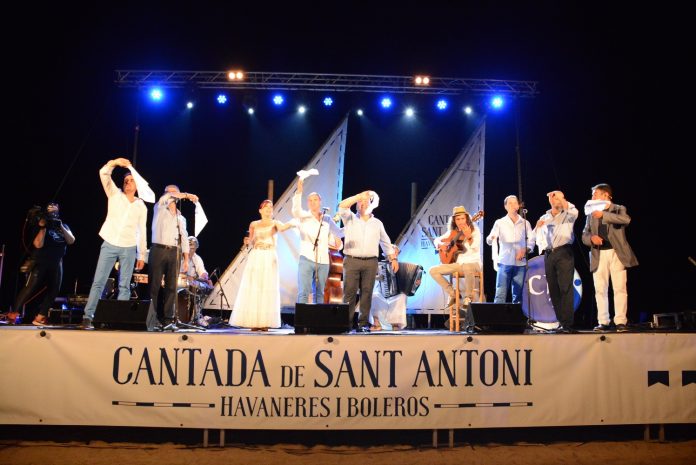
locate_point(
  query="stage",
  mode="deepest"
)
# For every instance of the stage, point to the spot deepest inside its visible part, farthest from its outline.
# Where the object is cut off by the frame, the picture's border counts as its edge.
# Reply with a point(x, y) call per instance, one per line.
point(410, 379)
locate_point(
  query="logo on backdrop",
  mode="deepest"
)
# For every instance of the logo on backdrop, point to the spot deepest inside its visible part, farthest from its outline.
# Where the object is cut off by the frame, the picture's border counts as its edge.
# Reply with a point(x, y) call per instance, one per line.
point(535, 295)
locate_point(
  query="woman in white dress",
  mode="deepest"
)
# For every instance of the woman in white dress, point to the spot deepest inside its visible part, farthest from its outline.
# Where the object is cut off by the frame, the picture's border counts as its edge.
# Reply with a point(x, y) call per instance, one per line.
point(257, 305)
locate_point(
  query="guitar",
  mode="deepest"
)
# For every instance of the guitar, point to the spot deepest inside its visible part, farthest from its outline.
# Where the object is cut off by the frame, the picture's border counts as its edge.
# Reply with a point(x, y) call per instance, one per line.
point(453, 244)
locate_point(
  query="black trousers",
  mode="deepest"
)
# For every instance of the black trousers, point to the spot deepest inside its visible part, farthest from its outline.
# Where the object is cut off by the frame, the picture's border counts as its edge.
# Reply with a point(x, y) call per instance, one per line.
point(559, 266)
point(162, 262)
point(44, 275)
point(359, 274)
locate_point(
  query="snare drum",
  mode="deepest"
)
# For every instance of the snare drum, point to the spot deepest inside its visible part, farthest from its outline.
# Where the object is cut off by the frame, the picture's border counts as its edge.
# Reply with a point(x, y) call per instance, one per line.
point(182, 282)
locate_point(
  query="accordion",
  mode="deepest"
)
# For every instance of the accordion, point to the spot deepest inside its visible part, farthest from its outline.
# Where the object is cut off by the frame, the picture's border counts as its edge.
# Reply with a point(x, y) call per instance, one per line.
point(406, 280)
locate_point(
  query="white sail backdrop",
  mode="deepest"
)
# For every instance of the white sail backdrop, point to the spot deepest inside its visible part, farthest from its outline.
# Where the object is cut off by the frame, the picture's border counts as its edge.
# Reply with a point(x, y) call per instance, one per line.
point(328, 160)
point(460, 184)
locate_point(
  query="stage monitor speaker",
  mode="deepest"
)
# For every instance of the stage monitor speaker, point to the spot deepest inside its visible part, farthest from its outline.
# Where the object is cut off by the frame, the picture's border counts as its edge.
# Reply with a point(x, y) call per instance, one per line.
point(121, 314)
point(322, 319)
point(494, 318)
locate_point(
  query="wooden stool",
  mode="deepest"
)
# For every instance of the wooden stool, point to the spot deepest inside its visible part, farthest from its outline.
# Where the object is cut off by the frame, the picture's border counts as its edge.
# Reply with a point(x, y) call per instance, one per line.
point(454, 320)
point(454, 309)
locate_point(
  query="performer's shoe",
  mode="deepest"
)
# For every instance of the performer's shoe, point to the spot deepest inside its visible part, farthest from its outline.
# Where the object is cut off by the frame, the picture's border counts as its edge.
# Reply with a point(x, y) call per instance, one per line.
point(601, 327)
point(364, 328)
point(452, 300)
point(566, 330)
point(86, 323)
point(621, 328)
point(171, 326)
point(40, 320)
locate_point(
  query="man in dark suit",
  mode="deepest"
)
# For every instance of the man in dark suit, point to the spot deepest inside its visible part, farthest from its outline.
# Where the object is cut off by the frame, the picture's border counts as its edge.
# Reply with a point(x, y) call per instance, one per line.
point(610, 255)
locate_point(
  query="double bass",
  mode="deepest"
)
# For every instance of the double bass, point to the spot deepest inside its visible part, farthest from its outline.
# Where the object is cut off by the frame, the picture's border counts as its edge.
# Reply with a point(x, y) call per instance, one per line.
point(333, 289)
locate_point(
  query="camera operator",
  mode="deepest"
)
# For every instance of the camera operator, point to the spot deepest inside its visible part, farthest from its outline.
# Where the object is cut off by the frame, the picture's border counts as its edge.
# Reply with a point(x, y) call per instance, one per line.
point(50, 239)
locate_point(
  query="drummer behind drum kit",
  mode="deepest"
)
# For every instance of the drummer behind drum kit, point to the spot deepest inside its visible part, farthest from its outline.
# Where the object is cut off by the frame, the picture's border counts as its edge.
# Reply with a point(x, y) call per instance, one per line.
point(190, 295)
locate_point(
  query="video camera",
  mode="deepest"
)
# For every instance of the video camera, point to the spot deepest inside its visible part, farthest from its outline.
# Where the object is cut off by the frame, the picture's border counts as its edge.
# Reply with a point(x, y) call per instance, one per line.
point(49, 214)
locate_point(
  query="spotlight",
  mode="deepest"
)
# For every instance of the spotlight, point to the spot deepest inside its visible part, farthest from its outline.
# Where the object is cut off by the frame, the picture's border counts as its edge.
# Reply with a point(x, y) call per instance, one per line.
point(250, 110)
point(409, 112)
point(441, 104)
point(301, 109)
point(222, 99)
point(421, 80)
point(359, 112)
point(386, 102)
point(328, 101)
point(189, 104)
point(278, 99)
point(497, 102)
point(156, 94)
point(235, 75)
point(468, 110)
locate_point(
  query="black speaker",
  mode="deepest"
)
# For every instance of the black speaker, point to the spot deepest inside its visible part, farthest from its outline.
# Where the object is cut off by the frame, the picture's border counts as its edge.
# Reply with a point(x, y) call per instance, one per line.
point(121, 314)
point(491, 317)
point(322, 319)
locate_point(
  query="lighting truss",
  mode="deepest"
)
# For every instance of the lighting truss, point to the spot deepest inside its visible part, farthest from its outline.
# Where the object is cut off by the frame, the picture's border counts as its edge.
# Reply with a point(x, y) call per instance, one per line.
point(323, 83)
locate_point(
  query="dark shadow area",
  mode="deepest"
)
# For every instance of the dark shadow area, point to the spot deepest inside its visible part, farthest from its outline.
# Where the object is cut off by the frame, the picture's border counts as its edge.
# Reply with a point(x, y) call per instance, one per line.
point(363, 438)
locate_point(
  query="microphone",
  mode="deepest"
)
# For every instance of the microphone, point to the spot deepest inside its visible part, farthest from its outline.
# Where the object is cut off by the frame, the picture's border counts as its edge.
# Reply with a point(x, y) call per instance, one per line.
point(325, 209)
point(215, 271)
point(524, 211)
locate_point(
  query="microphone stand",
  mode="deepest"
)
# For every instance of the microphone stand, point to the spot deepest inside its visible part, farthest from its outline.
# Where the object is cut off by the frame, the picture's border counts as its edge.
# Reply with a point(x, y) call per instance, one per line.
point(316, 258)
point(179, 254)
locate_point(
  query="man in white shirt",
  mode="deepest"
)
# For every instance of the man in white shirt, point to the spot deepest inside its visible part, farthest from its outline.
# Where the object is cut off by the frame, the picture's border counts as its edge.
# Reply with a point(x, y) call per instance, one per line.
point(514, 237)
point(169, 236)
point(363, 235)
point(317, 231)
point(555, 237)
point(124, 233)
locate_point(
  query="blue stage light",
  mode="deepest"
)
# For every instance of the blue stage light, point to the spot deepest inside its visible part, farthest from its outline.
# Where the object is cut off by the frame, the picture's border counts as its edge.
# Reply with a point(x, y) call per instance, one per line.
point(441, 104)
point(222, 99)
point(359, 112)
point(497, 102)
point(410, 112)
point(328, 101)
point(386, 102)
point(250, 110)
point(156, 94)
point(278, 99)
point(468, 110)
point(301, 109)
point(189, 104)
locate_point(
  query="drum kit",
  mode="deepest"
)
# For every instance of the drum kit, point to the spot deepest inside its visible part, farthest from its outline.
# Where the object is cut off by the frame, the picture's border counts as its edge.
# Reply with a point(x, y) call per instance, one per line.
point(190, 294)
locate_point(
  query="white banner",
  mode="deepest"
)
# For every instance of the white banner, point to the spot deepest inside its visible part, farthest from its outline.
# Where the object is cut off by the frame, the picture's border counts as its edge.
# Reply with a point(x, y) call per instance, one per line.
point(460, 184)
point(329, 184)
point(413, 381)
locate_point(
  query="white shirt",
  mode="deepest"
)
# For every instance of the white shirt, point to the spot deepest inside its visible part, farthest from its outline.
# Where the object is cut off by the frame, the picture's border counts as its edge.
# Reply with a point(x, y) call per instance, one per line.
point(164, 225)
point(511, 237)
point(125, 224)
point(362, 238)
point(472, 252)
point(196, 267)
point(309, 227)
point(557, 230)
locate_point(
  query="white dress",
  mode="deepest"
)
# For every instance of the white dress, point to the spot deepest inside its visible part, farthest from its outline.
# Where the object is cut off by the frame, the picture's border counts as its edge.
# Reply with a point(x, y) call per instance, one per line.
point(258, 300)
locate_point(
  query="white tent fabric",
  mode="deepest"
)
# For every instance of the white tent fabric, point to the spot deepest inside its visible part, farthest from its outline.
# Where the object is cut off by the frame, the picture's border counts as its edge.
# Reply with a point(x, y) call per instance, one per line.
point(460, 184)
point(328, 160)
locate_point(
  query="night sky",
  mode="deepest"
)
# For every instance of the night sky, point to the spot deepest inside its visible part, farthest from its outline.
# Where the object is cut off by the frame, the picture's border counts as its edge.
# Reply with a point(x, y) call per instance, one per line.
point(598, 118)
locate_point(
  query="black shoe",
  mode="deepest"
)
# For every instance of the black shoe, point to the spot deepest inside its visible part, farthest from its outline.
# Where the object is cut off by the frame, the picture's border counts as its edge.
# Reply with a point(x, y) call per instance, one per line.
point(566, 330)
point(364, 329)
point(601, 327)
point(621, 328)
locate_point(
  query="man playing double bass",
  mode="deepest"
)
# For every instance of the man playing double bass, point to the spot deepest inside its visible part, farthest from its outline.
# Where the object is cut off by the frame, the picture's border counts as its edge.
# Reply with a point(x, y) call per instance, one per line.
point(466, 259)
point(317, 232)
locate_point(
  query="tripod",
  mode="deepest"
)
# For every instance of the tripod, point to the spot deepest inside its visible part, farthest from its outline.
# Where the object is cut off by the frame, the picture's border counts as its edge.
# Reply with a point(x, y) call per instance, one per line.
point(316, 258)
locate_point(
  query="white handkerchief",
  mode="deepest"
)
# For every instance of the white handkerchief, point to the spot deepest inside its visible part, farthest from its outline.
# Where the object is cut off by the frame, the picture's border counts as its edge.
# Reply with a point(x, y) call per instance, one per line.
point(374, 202)
point(305, 174)
point(144, 191)
point(199, 218)
point(595, 206)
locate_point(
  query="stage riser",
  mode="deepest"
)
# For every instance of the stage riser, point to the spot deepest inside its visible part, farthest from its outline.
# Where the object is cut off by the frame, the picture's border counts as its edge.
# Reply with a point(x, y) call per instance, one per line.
point(421, 381)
